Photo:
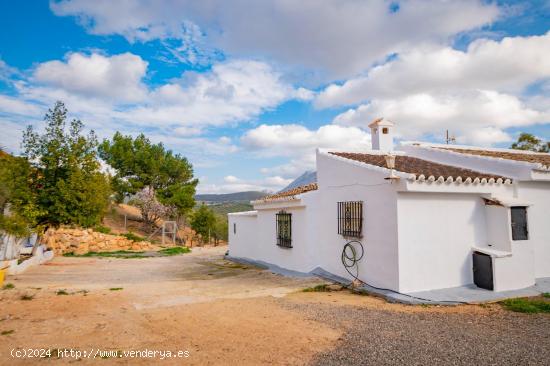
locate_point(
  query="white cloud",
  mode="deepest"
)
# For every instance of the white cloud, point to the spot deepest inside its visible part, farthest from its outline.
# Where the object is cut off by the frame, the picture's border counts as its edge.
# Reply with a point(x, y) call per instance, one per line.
point(231, 179)
point(477, 117)
point(233, 184)
point(232, 91)
point(340, 37)
point(293, 139)
point(117, 77)
point(107, 92)
point(299, 143)
point(11, 105)
point(508, 65)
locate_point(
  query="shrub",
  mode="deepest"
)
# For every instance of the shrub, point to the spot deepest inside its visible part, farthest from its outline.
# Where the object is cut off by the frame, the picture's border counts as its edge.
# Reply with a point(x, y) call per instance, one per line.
point(102, 229)
point(132, 236)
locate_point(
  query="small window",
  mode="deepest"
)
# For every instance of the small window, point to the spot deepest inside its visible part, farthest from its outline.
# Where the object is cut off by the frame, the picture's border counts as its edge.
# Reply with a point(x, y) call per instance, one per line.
point(284, 229)
point(385, 130)
point(519, 223)
point(350, 218)
point(234, 228)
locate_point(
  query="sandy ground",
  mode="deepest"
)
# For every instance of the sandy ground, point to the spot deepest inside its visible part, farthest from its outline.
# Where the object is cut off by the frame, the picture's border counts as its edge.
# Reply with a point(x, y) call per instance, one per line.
point(223, 313)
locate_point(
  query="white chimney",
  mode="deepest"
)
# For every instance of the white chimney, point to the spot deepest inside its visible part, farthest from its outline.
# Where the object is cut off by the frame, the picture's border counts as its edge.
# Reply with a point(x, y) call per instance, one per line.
point(381, 131)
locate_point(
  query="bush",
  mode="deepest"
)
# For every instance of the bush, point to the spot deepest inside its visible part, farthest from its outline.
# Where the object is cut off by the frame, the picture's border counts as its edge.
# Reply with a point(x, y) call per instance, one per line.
point(132, 236)
point(102, 229)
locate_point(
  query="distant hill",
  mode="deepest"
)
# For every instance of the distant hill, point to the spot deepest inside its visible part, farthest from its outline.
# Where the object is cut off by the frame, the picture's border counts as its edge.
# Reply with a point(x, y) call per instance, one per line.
point(224, 208)
point(308, 177)
point(231, 197)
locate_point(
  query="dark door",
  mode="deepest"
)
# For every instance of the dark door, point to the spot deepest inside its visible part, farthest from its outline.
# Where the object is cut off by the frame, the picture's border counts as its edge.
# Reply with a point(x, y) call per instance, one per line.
point(483, 270)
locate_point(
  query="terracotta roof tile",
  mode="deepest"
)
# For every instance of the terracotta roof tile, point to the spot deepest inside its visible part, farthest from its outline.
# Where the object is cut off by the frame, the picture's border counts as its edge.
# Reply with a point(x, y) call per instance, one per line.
point(416, 166)
point(541, 158)
point(291, 192)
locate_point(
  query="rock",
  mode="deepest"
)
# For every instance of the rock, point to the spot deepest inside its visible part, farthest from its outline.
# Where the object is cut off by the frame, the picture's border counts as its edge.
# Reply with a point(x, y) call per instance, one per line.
point(334, 287)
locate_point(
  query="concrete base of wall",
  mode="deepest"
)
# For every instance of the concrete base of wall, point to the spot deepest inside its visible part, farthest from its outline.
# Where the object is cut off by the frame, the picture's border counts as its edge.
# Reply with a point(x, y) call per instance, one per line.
point(470, 294)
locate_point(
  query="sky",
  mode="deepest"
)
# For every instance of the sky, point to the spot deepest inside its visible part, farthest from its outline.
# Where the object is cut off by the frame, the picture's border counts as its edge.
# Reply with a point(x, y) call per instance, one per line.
point(247, 90)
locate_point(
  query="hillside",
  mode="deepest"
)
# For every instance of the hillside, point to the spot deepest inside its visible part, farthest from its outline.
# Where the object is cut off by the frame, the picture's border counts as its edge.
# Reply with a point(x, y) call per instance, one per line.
point(231, 197)
point(307, 177)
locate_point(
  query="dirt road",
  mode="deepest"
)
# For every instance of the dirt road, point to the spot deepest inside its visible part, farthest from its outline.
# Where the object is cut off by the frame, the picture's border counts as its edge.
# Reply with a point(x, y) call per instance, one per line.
point(224, 313)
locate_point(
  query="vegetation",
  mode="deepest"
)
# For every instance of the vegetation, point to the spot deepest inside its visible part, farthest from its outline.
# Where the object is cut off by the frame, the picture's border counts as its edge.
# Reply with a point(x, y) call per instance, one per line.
point(127, 254)
point(61, 292)
point(527, 305)
point(318, 288)
point(174, 251)
point(203, 221)
point(161, 175)
point(116, 289)
point(114, 254)
point(27, 297)
point(8, 286)
point(18, 198)
point(7, 332)
point(546, 295)
point(224, 208)
point(69, 187)
point(102, 229)
point(132, 236)
point(527, 141)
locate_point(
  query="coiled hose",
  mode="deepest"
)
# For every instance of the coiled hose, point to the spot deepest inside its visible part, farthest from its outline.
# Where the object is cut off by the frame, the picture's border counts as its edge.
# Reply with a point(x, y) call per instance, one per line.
point(350, 259)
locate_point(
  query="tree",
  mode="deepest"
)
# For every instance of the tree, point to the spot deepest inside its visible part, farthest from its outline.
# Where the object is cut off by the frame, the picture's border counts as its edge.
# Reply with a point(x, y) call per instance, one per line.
point(151, 209)
point(140, 164)
point(220, 228)
point(18, 208)
point(69, 186)
point(527, 141)
point(203, 221)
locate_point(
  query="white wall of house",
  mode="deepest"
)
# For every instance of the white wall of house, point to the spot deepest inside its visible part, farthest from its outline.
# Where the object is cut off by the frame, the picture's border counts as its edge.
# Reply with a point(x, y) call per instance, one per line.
point(341, 180)
point(436, 235)
point(243, 242)
point(262, 229)
point(413, 241)
point(538, 215)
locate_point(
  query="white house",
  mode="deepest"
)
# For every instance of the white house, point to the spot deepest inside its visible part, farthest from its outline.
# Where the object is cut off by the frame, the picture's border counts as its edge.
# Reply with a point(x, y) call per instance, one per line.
point(428, 216)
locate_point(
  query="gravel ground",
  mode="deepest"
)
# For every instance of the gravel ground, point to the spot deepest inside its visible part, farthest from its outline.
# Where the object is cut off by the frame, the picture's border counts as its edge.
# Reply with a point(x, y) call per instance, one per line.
point(385, 337)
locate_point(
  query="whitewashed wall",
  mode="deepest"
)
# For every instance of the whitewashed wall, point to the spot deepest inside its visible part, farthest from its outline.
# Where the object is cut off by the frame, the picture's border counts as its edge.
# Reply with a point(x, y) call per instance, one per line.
point(538, 215)
point(346, 181)
point(436, 235)
point(243, 243)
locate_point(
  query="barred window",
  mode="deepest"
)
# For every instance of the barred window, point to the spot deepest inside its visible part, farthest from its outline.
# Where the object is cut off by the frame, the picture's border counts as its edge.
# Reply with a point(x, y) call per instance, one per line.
point(350, 218)
point(284, 229)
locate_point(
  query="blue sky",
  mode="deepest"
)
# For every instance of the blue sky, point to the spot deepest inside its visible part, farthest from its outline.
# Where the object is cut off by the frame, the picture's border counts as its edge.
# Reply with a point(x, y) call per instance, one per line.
point(247, 90)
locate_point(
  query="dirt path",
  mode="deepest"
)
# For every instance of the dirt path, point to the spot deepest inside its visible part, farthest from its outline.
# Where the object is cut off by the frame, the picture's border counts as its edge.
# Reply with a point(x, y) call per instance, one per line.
point(224, 313)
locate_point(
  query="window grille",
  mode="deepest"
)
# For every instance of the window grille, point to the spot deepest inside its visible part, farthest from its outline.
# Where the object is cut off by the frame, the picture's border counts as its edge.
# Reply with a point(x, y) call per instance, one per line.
point(350, 218)
point(284, 229)
point(519, 223)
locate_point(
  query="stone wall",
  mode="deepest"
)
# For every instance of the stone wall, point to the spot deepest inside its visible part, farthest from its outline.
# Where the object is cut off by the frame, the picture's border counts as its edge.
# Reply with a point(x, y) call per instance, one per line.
point(81, 241)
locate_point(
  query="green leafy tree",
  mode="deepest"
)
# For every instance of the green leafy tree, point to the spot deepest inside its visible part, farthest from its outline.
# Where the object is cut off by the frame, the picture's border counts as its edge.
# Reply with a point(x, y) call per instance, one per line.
point(527, 141)
point(203, 221)
point(18, 208)
point(220, 228)
point(140, 164)
point(69, 185)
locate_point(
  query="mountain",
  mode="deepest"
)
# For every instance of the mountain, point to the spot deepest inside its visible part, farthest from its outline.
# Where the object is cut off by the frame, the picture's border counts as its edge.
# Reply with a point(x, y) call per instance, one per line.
point(231, 197)
point(308, 177)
